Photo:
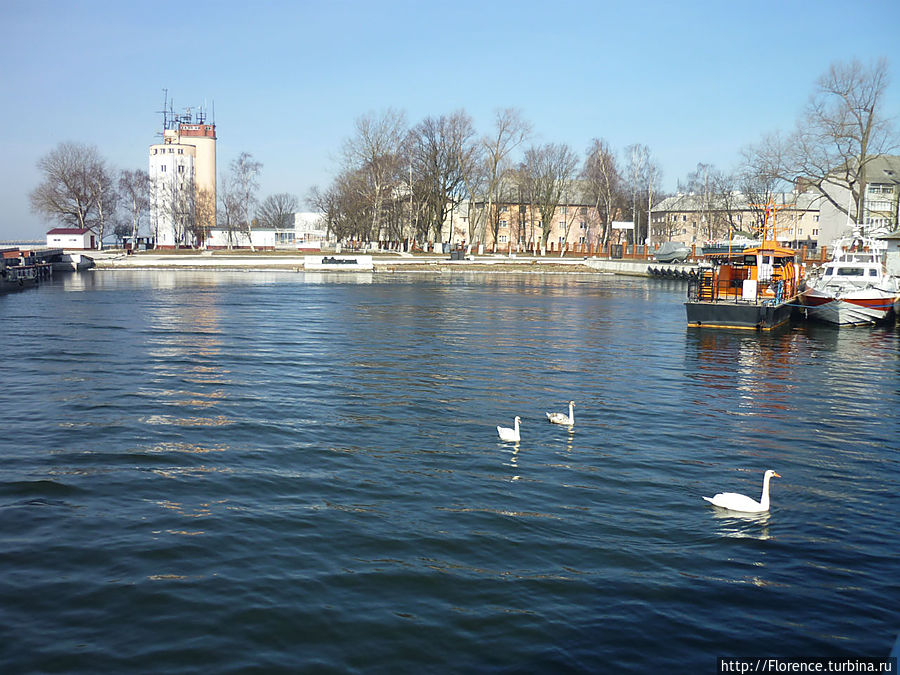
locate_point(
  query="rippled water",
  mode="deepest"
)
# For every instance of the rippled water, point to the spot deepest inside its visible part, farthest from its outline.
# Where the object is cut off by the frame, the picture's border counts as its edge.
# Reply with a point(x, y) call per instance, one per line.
point(211, 472)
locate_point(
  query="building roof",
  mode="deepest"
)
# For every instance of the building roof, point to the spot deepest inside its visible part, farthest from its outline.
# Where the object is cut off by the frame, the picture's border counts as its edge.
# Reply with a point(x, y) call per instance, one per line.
point(68, 230)
point(883, 169)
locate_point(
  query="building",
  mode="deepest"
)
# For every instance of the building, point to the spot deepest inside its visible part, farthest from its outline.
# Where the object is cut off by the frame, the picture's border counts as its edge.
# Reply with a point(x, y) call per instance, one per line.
point(880, 203)
point(261, 238)
point(302, 230)
point(71, 238)
point(183, 181)
point(692, 220)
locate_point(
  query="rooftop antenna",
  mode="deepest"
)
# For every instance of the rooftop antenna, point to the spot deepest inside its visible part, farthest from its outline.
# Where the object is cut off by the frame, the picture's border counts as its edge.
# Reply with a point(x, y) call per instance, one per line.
point(164, 112)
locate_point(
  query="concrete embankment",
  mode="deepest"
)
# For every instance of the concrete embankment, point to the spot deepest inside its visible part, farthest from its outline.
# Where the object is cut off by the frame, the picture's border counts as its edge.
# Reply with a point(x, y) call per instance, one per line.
point(386, 263)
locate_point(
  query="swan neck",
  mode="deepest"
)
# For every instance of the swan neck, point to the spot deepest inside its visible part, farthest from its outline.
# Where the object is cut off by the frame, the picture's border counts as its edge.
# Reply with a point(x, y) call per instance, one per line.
point(764, 500)
point(571, 412)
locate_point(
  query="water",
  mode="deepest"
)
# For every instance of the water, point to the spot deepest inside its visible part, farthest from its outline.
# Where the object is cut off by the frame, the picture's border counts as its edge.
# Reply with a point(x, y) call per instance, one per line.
point(218, 472)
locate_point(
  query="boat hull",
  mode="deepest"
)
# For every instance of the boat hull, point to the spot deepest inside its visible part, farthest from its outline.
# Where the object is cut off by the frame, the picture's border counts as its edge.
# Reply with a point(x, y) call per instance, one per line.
point(850, 310)
point(739, 315)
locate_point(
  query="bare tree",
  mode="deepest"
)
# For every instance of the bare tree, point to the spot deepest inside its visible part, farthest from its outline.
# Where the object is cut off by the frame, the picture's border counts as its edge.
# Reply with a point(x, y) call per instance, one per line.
point(374, 154)
point(77, 188)
point(244, 173)
point(134, 189)
point(277, 210)
point(229, 209)
point(442, 152)
point(843, 129)
point(550, 168)
point(602, 185)
point(509, 132)
point(638, 161)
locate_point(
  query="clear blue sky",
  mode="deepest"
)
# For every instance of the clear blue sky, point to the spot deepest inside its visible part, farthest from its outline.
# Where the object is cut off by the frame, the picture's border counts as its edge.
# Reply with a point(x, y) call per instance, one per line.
point(694, 81)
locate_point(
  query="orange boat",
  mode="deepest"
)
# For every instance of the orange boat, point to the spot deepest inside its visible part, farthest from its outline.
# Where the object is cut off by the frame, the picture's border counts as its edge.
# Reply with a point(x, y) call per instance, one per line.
point(754, 288)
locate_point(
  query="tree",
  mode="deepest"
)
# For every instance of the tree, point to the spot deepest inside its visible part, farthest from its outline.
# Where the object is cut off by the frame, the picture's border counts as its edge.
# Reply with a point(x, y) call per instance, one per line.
point(229, 209)
point(603, 185)
point(244, 184)
point(134, 189)
point(277, 211)
point(842, 130)
point(374, 155)
point(550, 169)
point(443, 154)
point(509, 132)
point(715, 196)
point(77, 188)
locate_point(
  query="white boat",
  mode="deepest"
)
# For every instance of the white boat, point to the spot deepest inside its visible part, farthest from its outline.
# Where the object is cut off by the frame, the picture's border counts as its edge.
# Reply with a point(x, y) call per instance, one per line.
point(853, 288)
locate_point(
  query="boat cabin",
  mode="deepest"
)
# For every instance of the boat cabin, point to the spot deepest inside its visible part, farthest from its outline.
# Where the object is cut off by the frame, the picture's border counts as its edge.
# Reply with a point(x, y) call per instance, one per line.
point(766, 272)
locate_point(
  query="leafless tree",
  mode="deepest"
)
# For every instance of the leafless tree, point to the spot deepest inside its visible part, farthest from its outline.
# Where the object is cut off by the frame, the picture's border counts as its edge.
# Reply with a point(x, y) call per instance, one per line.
point(550, 169)
point(277, 210)
point(244, 183)
point(602, 185)
point(713, 192)
point(77, 188)
point(229, 209)
point(373, 154)
point(509, 132)
point(442, 152)
point(134, 189)
point(842, 130)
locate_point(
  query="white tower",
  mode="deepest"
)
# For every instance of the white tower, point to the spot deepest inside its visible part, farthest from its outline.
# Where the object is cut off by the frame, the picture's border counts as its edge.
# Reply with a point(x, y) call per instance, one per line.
point(183, 181)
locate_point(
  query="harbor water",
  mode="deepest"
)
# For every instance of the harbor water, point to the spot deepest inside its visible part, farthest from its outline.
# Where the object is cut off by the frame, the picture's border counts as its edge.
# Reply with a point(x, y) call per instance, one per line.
point(290, 472)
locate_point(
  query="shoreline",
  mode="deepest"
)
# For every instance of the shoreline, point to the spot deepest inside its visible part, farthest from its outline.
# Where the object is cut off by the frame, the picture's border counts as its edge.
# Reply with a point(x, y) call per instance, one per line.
point(381, 263)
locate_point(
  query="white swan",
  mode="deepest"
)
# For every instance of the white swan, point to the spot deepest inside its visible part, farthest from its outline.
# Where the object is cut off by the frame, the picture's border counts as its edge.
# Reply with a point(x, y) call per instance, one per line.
point(507, 434)
point(736, 502)
point(562, 418)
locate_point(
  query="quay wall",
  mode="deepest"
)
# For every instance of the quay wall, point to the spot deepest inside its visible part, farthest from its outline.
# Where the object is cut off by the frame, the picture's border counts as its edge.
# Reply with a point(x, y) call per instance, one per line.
point(498, 263)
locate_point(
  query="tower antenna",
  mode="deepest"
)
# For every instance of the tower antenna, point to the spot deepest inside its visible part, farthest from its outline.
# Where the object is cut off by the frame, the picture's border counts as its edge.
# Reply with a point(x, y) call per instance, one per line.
point(164, 112)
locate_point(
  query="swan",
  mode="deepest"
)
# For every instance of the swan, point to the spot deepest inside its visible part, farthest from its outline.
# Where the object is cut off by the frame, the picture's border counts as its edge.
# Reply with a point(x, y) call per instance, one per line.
point(562, 418)
point(507, 434)
point(736, 502)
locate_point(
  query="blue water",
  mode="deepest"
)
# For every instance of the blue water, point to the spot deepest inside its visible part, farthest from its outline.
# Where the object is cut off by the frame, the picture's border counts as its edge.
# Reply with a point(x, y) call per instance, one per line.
point(220, 472)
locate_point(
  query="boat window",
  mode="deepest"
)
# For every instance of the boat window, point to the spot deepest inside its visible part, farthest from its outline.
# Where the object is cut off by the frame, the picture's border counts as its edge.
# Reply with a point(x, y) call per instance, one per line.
point(850, 271)
point(829, 271)
point(873, 273)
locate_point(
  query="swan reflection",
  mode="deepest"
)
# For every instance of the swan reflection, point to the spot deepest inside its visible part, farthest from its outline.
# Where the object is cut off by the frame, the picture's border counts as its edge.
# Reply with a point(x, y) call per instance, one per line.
point(739, 525)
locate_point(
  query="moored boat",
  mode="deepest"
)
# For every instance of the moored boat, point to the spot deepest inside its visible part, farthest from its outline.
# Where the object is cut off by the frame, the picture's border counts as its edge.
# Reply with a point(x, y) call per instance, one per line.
point(854, 287)
point(672, 251)
point(754, 288)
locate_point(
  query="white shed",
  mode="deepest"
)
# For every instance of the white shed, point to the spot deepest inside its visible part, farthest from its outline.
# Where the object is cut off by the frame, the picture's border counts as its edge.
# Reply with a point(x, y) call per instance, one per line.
point(71, 237)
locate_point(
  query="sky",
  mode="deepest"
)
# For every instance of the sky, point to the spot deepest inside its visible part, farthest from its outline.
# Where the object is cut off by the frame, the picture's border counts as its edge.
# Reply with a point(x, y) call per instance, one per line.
point(693, 81)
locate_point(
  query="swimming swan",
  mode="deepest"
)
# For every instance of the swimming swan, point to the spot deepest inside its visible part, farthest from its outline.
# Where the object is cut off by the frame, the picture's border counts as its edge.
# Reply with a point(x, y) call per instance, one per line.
point(736, 502)
point(562, 418)
point(507, 434)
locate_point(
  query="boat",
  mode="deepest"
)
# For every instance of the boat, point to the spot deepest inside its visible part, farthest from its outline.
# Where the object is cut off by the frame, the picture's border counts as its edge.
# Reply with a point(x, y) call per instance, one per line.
point(854, 287)
point(671, 252)
point(756, 287)
point(21, 269)
point(738, 243)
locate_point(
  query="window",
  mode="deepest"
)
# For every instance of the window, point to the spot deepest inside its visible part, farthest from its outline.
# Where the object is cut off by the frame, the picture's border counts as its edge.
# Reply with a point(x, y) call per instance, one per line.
point(163, 168)
point(817, 219)
point(181, 168)
point(873, 273)
point(503, 223)
point(816, 231)
point(580, 240)
point(562, 240)
point(502, 239)
point(581, 225)
point(502, 209)
point(180, 151)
